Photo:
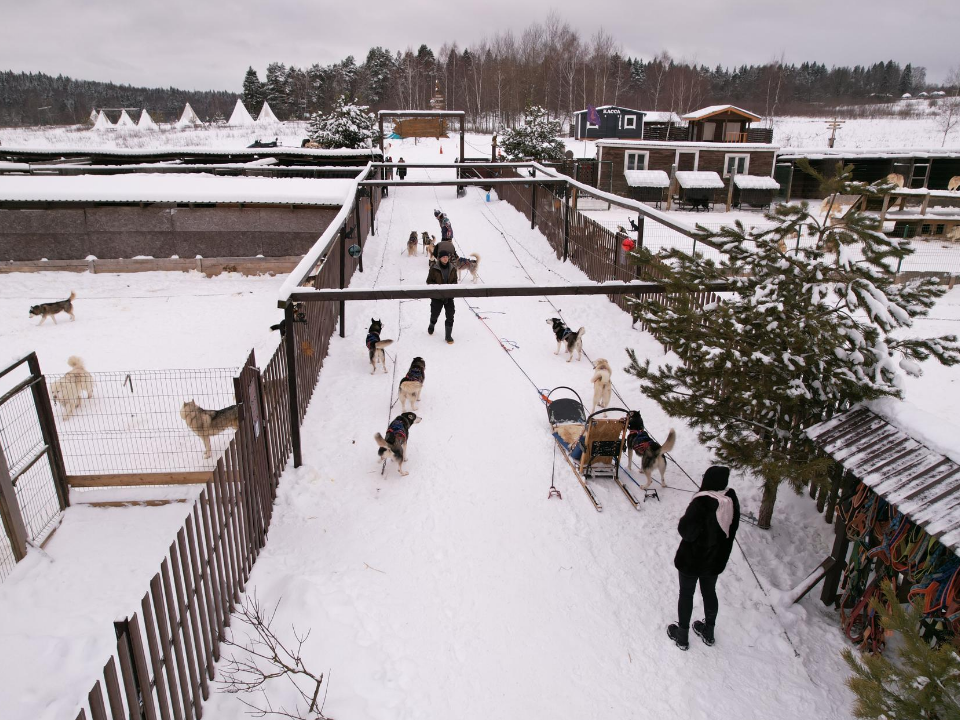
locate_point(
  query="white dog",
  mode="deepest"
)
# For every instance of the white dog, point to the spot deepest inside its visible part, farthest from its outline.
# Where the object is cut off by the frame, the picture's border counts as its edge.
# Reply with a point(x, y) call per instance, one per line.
point(68, 390)
point(601, 384)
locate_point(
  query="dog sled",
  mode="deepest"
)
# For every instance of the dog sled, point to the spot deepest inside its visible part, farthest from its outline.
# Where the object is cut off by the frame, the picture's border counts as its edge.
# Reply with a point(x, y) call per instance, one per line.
point(592, 445)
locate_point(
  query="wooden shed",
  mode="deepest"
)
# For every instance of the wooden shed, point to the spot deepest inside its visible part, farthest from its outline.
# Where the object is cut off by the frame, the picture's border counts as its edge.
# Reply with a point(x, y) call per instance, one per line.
point(898, 520)
point(648, 186)
point(754, 190)
point(720, 123)
point(698, 189)
point(615, 122)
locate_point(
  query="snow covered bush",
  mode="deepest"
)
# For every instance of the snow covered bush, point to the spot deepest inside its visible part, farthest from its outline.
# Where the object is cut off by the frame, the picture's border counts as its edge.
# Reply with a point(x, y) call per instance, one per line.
point(806, 328)
point(537, 138)
point(346, 126)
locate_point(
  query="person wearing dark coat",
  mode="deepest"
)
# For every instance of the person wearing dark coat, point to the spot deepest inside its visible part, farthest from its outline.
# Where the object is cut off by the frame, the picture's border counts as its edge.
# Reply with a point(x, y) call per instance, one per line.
point(446, 228)
point(442, 272)
point(401, 171)
point(707, 530)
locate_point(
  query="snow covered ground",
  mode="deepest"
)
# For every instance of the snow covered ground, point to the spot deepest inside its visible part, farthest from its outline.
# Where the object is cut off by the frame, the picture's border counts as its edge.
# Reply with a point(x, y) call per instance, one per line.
point(461, 590)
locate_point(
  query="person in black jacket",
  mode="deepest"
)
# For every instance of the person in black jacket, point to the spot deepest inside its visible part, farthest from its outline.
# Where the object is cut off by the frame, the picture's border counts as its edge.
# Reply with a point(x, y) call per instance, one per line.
point(707, 531)
point(401, 171)
point(442, 272)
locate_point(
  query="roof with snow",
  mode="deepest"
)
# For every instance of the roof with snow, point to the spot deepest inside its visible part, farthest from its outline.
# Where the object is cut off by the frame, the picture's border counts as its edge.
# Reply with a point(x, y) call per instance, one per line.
point(755, 182)
point(920, 482)
point(684, 145)
point(29, 153)
point(647, 178)
point(659, 116)
point(699, 179)
point(159, 188)
point(838, 153)
point(704, 113)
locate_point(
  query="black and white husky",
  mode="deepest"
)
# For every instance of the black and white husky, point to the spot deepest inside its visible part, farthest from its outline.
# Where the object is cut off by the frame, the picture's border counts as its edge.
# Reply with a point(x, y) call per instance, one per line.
point(468, 264)
point(375, 345)
point(651, 452)
point(566, 336)
point(396, 440)
point(412, 384)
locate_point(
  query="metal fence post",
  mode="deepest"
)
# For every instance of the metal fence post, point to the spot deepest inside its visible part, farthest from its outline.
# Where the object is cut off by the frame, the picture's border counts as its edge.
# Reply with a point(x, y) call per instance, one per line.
point(533, 207)
point(290, 342)
point(356, 219)
point(10, 512)
point(343, 305)
point(639, 232)
point(48, 428)
point(566, 221)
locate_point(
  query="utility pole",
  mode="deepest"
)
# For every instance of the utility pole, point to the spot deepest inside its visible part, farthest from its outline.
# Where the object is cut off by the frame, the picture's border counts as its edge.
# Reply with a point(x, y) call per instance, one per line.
point(833, 126)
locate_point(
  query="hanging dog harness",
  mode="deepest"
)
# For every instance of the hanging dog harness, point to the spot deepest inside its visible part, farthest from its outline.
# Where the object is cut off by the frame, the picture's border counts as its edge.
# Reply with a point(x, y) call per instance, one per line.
point(372, 340)
point(639, 440)
point(414, 374)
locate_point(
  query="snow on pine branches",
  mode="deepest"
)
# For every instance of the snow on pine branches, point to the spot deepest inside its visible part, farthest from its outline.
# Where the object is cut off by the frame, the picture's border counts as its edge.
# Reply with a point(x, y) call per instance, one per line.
point(537, 138)
point(346, 126)
point(804, 330)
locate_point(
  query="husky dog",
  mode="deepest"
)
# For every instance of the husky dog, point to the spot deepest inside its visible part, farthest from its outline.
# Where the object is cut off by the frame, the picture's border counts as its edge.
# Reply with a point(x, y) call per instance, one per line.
point(412, 244)
point(429, 242)
point(206, 423)
point(67, 391)
point(375, 345)
point(566, 336)
point(601, 384)
point(396, 440)
point(651, 452)
point(412, 383)
point(468, 265)
point(50, 309)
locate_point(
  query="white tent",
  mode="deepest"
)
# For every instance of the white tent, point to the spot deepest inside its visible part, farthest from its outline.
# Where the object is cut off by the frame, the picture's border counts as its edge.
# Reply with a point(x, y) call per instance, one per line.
point(266, 116)
point(125, 123)
point(240, 116)
point(146, 122)
point(103, 122)
point(93, 116)
point(189, 118)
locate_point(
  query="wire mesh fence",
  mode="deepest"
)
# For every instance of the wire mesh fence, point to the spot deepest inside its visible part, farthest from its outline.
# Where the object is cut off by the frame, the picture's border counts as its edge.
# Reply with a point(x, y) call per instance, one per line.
point(145, 421)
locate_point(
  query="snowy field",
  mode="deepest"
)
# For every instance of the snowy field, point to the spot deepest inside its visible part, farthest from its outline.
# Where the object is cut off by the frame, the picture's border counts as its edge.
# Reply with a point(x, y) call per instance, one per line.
point(460, 590)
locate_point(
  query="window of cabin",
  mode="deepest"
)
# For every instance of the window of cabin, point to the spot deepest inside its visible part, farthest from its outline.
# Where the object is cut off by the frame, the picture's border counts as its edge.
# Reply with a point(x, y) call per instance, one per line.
point(925, 229)
point(709, 131)
point(939, 229)
point(739, 162)
point(635, 161)
point(630, 122)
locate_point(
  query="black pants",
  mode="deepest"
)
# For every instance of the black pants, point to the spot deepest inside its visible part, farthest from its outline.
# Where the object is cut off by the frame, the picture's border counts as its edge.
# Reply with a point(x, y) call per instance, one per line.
point(708, 591)
point(447, 304)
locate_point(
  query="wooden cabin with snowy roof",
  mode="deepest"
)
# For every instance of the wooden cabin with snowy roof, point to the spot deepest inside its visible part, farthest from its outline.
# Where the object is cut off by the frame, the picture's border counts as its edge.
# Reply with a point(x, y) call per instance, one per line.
point(725, 124)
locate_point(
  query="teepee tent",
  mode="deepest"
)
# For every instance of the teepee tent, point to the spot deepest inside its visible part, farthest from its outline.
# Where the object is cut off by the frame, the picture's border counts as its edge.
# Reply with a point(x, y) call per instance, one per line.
point(266, 116)
point(146, 122)
point(103, 122)
point(240, 116)
point(189, 118)
point(125, 122)
point(93, 116)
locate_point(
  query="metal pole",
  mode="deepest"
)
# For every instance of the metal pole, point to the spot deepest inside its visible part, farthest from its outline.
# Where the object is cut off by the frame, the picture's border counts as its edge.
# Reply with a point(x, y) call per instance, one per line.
point(343, 305)
point(289, 341)
point(380, 119)
point(566, 221)
point(533, 203)
point(48, 428)
point(10, 512)
point(356, 218)
point(639, 232)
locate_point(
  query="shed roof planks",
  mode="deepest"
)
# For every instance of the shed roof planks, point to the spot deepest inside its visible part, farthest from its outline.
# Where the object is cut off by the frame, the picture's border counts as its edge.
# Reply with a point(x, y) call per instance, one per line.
point(923, 484)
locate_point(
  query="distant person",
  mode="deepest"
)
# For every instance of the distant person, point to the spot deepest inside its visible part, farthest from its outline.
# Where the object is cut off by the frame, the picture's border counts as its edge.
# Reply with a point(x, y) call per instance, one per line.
point(401, 171)
point(707, 530)
point(446, 228)
point(442, 272)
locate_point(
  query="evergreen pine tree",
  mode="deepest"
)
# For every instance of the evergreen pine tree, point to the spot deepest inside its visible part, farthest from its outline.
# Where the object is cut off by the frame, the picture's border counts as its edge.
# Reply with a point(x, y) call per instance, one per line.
point(536, 138)
point(252, 92)
point(906, 80)
point(346, 126)
point(920, 681)
point(806, 327)
point(275, 90)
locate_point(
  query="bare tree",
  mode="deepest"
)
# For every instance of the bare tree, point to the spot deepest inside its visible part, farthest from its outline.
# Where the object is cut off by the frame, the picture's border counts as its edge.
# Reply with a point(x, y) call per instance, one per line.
point(658, 70)
point(602, 49)
point(948, 110)
point(264, 657)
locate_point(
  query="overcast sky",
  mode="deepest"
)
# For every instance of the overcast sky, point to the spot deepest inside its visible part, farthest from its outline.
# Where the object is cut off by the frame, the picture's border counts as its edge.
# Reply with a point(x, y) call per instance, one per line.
point(208, 45)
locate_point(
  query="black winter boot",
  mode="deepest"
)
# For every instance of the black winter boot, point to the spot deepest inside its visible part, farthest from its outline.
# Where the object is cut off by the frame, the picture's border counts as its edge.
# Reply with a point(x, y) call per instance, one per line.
point(449, 337)
point(430, 328)
point(705, 632)
point(679, 635)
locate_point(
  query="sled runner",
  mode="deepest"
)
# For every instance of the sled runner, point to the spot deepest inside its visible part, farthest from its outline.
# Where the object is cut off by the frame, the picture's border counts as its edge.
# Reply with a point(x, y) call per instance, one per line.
point(591, 445)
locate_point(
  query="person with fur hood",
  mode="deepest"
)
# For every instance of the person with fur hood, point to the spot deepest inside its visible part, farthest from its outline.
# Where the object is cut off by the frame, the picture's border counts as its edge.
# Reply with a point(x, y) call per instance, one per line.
point(707, 532)
point(442, 272)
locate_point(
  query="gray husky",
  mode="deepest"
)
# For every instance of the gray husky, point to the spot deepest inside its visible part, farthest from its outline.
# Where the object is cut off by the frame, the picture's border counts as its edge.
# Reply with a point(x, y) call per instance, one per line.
point(206, 423)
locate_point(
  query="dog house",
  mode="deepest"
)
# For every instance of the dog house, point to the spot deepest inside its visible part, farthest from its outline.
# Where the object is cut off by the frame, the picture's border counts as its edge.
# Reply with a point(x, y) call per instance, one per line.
point(697, 189)
point(754, 190)
point(648, 186)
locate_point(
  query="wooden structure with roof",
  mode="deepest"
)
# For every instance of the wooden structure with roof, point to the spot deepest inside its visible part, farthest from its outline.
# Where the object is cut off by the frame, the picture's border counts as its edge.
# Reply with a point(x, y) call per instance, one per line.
point(725, 124)
point(898, 519)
